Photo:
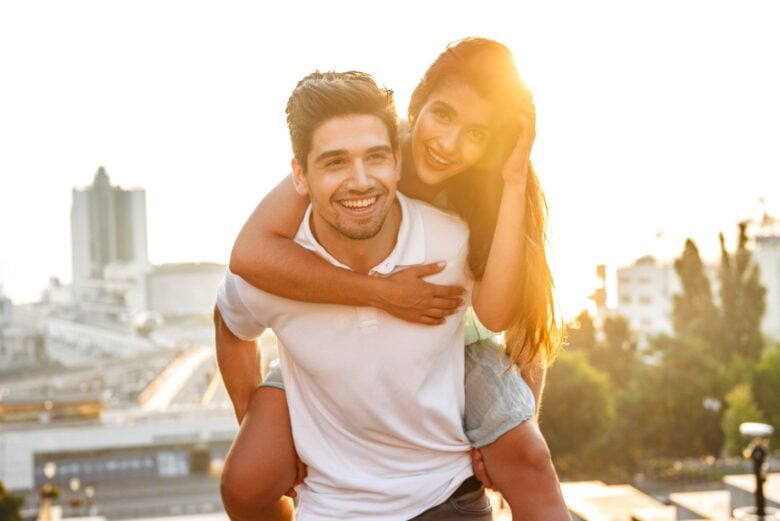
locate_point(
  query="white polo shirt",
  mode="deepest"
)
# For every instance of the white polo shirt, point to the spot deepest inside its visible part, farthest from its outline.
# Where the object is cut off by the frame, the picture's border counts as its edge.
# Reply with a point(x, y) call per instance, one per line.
point(376, 403)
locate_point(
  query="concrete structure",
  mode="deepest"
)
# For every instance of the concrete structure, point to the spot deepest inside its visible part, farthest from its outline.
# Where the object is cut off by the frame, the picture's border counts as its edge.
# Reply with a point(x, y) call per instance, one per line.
point(767, 255)
point(74, 343)
point(6, 309)
point(645, 292)
point(108, 225)
point(712, 504)
point(594, 500)
point(180, 290)
point(743, 488)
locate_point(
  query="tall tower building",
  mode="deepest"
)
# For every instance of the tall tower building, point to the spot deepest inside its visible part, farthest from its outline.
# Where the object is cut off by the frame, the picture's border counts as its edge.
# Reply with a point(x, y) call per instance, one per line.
point(108, 225)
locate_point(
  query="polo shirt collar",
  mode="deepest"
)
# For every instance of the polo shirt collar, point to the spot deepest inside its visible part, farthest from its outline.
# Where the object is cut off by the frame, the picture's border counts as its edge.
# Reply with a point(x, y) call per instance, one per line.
point(409, 247)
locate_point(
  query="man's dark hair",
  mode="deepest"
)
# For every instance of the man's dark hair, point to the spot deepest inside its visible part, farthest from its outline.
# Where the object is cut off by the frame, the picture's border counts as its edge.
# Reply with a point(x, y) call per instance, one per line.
point(321, 96)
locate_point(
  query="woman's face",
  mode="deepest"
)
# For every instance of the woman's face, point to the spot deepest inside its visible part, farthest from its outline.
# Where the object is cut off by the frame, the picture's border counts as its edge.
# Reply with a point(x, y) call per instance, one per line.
point(451, 132)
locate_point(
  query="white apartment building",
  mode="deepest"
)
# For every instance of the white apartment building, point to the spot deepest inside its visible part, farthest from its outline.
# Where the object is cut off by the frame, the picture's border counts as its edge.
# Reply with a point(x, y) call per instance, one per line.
point(645, 289)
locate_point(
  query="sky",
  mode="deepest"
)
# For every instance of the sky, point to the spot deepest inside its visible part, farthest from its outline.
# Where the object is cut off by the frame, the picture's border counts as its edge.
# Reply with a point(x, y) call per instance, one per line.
point(656, 121)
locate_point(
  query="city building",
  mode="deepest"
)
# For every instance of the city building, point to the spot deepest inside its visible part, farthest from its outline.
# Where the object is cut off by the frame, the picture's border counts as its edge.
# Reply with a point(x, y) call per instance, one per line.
point(108, 225)
point(767, 256)
point(646, 289)
point(645, 293)
point(181, 290)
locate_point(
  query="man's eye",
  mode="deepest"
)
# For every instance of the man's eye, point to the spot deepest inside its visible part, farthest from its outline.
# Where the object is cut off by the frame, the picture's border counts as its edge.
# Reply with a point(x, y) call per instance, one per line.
point(334, 162)
point(377, 157)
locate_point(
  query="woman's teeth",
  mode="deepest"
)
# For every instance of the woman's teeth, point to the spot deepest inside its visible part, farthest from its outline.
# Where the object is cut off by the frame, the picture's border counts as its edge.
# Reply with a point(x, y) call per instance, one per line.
point(438, 158)
point(359, 203)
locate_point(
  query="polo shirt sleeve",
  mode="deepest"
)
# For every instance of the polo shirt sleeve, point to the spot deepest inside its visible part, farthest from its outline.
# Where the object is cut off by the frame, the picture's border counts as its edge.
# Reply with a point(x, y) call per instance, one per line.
point(235, 313)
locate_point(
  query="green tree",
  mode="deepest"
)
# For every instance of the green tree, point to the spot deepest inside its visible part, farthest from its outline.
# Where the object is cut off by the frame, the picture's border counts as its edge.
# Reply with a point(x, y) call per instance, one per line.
point(10, 505)
point(617, 354)
point(581, 333)
point(678, 399)
point(766, 386)
point(577, 412)
point(740, 407)
point(743, 302)
point(693, 311)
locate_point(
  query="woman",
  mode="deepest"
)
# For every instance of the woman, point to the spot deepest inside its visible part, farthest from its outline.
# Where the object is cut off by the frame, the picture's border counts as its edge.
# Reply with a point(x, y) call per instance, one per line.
point(472, 125)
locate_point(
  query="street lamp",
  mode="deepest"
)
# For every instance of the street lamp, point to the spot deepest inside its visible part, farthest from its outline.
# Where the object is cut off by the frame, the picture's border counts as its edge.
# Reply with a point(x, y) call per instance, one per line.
point(89, 492)
point(74, 501)
point(757, 450)
point(48, 492)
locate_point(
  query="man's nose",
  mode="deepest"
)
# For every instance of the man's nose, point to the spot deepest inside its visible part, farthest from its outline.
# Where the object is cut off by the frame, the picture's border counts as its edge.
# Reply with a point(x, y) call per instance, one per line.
point(359, 179)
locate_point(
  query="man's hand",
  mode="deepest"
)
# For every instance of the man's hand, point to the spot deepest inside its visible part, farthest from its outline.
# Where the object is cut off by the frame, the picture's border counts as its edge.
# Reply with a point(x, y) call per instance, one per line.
point(480, 472)
point(407, 296)
point(299, 477)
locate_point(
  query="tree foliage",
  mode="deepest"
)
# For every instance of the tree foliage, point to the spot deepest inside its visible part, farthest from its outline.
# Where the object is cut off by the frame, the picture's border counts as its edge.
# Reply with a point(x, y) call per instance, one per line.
point(578, 409)
point(693, 311)
point(10, 505)
point(681, 409)
point(740, 407)
point(766, 386)
point(743, 301)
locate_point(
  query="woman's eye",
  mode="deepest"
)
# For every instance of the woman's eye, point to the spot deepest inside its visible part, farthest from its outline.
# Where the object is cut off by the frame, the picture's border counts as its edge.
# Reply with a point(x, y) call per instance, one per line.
point(442, 115)
point(477, 136)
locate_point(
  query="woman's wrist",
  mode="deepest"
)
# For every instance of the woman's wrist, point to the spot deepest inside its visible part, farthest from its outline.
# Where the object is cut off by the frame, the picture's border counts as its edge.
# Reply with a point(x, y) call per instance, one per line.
point(515, 188)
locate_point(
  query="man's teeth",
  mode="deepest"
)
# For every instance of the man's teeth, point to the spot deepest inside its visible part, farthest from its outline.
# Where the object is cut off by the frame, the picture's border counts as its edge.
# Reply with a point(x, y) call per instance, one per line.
point(359, 203)
point(438, 158)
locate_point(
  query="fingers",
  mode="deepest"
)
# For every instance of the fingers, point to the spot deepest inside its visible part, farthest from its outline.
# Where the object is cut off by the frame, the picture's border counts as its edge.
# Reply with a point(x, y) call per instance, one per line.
point(299, 477)
point(478, 466)
point(447, 304)
point(448, 291)
point(427, 269)
point(302, 471)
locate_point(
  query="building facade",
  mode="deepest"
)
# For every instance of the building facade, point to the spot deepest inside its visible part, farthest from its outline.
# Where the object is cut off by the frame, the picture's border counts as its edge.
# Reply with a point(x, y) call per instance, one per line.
point(646, 289)
point(108, 225)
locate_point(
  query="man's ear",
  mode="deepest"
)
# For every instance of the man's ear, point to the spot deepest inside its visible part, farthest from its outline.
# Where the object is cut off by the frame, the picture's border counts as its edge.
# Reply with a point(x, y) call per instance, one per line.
point(299, 178)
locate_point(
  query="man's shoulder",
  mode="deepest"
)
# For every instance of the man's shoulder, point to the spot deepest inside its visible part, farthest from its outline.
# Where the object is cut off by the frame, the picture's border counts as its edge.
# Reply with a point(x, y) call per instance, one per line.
point(440, 221)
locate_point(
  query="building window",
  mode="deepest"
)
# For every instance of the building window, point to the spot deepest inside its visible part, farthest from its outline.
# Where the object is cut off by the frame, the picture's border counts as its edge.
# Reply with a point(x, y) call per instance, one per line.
point(625, 300)
point(644, 280)
point(644, 299)
point(624, 280)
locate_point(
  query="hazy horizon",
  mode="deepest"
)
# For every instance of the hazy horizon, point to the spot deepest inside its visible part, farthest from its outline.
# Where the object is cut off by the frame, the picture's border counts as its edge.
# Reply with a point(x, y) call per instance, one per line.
point(652, 118)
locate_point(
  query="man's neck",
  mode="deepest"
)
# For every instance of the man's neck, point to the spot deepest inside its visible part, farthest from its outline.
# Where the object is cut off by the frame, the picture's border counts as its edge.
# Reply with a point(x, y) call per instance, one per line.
point(359, 255)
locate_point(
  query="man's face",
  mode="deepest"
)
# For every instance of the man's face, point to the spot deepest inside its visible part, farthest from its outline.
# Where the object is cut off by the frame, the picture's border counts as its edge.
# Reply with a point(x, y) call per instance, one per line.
point(352, 175)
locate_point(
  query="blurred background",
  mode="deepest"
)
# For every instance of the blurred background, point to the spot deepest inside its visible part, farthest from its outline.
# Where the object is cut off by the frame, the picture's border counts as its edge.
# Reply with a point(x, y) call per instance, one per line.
point(135, 139)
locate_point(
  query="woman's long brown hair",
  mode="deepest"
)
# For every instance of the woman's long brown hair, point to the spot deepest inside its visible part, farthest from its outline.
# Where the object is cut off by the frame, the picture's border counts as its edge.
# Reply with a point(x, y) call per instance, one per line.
point(475, 195)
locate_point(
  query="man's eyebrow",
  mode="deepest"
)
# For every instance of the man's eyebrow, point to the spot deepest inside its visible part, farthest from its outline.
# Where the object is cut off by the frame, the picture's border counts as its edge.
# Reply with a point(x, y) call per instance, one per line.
point(330, 153)
point(342, 152)
point(380, 148)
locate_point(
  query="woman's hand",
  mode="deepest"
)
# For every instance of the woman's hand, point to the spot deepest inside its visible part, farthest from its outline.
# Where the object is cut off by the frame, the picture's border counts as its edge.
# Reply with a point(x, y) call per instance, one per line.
point(515, 171)
point(407, 296)
point(300, 474)
point(480, 472)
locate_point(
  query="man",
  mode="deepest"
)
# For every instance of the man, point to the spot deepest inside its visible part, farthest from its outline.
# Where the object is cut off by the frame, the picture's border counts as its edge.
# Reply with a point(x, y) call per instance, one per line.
point(375, 403)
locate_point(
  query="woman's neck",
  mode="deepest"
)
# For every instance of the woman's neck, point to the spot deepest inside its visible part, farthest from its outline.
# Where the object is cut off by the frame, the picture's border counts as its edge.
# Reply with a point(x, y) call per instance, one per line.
point(410, 185)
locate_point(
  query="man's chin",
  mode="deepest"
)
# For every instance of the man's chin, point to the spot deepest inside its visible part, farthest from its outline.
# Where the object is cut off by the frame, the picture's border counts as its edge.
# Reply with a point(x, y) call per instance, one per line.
point(359, 234)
